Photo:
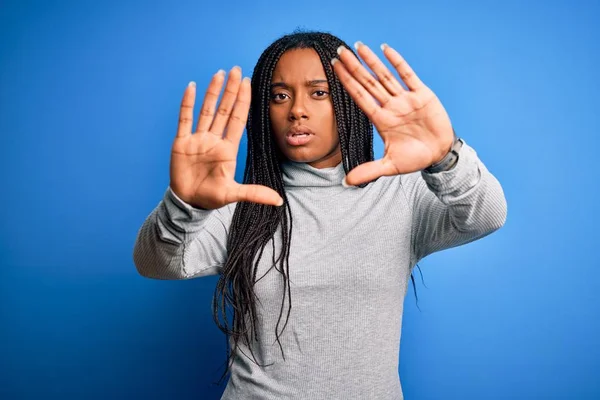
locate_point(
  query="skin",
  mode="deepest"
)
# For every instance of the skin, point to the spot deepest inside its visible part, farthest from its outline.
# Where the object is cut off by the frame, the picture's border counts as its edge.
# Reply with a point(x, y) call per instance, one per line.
point(300, 96)
point(411, 120)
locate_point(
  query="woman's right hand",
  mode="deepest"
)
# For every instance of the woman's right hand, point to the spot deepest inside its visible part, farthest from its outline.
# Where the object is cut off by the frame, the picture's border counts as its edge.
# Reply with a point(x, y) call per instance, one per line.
point(203, 163)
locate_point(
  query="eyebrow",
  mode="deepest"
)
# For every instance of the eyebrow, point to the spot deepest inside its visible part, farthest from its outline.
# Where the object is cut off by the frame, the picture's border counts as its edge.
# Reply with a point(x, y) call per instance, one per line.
point(307, 83)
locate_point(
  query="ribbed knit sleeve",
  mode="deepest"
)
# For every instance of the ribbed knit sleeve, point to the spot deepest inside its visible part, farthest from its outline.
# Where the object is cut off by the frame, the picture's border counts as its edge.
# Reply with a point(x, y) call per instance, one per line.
point(178, 241)
point(453, 207)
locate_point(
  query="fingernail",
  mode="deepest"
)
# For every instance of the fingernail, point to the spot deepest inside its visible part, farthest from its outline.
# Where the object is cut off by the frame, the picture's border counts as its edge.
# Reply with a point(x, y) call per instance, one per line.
point(383, 46)
point(334, 60)
point(247, 79)
point(344, 183)
point(358, 44)
point(340, 49)
point(280, 203)
point(220, 72)
point(192, 83)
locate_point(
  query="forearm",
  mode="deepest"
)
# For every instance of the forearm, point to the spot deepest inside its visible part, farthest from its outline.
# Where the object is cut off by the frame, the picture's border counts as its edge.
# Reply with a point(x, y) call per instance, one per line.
point(177, 241)
point(457, 206)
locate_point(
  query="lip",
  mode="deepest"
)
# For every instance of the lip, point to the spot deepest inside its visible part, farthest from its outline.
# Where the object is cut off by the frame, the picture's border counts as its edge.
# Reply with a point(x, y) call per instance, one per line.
point(293, 140)
point(294, 130)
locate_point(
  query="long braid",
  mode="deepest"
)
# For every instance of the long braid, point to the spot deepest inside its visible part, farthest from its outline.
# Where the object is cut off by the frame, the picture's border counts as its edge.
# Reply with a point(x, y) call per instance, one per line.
point(254, 225)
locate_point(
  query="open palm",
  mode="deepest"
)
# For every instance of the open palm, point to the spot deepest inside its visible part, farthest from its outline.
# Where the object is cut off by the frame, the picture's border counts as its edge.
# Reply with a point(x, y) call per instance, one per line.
point(412, 122)
point(203, 164)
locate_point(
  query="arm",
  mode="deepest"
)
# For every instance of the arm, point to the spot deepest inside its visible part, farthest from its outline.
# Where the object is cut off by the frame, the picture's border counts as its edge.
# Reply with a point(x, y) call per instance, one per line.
point(178, 241)
point(453, 207)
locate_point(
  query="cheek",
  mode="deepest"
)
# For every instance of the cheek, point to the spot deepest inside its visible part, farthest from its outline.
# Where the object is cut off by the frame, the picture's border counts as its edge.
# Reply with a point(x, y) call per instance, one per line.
point(277, 117)
point(329, 119)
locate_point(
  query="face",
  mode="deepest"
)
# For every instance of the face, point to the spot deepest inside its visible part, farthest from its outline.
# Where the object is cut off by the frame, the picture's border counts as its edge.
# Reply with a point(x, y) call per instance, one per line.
point(301, 110)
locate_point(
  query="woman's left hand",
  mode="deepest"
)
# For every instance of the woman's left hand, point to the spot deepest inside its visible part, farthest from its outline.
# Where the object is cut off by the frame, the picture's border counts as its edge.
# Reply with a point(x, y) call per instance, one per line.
point(415, 127)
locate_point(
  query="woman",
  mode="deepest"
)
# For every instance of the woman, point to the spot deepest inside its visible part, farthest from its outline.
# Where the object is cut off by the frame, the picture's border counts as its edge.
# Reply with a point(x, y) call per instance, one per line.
point(296, 234)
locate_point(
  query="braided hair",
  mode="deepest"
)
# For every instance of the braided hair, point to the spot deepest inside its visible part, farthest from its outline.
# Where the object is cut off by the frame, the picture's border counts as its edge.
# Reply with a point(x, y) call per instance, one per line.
point(254, 225)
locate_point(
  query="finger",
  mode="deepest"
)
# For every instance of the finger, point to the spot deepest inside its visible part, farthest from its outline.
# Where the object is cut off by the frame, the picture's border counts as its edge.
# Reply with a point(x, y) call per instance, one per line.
point(406, 73)
point(186, 113)
point(239, 116)
point(362, 76)
point(207, 112)
point(385, 76)
point(360, 95)
point(227, 101)
point(255, 194)
point(369, 171)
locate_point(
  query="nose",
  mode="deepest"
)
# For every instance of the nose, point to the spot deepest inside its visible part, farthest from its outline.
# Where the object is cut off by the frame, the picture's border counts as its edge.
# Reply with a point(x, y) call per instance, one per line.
point(298, 110)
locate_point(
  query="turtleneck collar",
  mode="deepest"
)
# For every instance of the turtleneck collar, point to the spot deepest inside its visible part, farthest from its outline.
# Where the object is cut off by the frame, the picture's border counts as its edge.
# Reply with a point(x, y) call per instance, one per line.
point(296, 174)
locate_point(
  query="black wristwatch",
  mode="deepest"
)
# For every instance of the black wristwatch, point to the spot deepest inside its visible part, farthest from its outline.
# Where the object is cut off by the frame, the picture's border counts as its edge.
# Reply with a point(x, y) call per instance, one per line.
point(449, 160)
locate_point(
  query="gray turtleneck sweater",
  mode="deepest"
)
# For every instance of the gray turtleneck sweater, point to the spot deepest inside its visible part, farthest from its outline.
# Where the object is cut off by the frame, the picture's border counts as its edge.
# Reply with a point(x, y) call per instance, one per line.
point(352, 252)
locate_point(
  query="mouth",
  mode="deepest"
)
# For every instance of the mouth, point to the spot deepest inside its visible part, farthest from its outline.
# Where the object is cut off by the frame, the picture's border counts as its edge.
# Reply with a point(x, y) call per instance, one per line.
point(299, 135)
point(299, 130)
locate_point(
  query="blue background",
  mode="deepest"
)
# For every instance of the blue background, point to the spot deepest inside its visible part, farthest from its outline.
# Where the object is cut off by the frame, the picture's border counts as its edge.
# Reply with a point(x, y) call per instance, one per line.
point(89, 100)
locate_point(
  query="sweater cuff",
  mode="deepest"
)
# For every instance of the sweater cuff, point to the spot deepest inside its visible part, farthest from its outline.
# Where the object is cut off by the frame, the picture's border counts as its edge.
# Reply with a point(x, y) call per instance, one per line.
point(180, 215)
point(463, 176)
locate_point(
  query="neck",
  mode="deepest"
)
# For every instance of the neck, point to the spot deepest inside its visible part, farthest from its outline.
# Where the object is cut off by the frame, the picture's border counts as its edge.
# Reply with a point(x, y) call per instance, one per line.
point(329, 161)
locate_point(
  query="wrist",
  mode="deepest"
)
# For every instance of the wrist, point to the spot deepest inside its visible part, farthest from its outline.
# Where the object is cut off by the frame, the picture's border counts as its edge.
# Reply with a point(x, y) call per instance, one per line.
point(449, 160)
point(193, 206)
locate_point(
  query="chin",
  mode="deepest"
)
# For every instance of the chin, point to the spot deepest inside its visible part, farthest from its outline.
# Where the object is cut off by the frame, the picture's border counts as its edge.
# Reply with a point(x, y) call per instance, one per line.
point(300, 154)
point(303, 157)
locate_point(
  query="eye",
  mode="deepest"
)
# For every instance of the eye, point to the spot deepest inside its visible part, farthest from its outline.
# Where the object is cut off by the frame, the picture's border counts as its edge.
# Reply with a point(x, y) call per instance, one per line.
point(321, 93)
point(278, 97)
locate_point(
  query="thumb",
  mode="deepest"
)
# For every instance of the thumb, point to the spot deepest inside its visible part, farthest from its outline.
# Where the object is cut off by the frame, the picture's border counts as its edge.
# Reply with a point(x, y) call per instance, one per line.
point(257, 194)
point(367, 172)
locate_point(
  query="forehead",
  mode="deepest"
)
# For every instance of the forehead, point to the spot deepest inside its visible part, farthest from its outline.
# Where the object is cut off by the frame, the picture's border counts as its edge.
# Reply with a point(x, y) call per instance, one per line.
point(298, 65)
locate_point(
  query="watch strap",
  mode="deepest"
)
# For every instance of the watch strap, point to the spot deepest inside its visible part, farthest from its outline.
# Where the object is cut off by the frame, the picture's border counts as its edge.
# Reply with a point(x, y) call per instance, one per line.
point(449, 160)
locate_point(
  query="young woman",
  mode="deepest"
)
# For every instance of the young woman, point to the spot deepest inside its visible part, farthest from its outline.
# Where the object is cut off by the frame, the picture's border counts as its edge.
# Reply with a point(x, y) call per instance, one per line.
point(314, 251)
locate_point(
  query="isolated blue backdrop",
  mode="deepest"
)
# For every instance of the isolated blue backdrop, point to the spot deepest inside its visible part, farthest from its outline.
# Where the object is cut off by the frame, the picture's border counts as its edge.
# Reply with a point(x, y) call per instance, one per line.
point(89, 98)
